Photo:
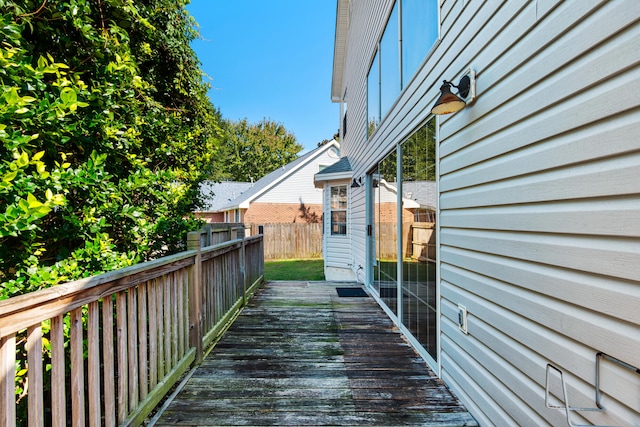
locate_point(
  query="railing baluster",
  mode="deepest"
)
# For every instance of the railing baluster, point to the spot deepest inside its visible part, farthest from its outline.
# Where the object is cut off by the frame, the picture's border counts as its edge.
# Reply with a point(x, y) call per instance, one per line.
point(167, 325)
point(180, 308)
point(58, 393)
point(174, 319)
point(35, 376)
point(142, 341)
point(7, 381)
point(153, 334)
point(132, 346)
point(77, 369)
point(121, 340)
point(108, 356)
point(160, 326)
point(93, 368)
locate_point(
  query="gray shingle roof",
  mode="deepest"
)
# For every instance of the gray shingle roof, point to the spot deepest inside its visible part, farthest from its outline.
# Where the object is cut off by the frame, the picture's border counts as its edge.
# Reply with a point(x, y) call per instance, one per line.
point(218, 194)
point(341, 165)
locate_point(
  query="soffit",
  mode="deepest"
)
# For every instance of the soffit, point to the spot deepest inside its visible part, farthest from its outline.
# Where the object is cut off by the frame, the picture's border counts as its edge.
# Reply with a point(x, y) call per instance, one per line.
point(339, 48)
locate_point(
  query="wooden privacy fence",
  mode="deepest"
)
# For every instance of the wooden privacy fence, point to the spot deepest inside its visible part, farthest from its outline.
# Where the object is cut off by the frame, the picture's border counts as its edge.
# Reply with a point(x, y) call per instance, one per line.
point(214, 233)
point(106, 349)
point(419, 240)
point(290, 240)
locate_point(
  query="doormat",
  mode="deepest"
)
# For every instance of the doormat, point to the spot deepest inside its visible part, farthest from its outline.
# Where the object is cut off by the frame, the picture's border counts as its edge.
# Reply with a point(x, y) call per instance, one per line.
point(351, 292)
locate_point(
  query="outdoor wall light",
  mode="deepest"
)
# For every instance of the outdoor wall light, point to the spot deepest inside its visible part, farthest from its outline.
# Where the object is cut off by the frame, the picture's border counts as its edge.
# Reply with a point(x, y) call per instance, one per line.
point(448, 103)
point(354, 184)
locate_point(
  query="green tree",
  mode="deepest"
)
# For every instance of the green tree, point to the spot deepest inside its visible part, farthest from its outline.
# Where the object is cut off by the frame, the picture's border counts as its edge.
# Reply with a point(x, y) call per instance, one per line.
point(105, 131)
point(250, 151)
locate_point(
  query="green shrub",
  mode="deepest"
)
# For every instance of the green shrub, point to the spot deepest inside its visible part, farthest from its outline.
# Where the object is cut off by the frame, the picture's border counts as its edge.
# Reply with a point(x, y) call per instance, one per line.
point(105, 133)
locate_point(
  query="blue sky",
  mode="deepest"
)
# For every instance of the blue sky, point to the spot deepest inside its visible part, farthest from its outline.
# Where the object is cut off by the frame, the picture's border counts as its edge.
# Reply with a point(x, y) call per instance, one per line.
point(271, 59)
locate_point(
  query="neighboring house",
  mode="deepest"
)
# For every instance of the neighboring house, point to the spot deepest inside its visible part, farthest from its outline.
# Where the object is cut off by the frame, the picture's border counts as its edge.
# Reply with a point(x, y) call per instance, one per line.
point(286, 195)
point(533, 282)
point(219, 194)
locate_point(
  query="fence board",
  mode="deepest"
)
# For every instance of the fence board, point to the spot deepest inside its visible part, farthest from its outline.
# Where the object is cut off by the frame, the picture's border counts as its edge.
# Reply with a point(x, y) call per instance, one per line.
point(291, 240)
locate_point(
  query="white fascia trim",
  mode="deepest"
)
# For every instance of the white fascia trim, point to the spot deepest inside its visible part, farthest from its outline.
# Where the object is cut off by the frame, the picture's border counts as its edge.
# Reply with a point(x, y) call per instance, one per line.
point(245, 204)
point(338, 176)
point(339, 47)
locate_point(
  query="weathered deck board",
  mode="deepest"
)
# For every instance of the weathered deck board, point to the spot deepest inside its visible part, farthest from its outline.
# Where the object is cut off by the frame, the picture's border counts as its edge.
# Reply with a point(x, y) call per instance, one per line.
point(300, 355)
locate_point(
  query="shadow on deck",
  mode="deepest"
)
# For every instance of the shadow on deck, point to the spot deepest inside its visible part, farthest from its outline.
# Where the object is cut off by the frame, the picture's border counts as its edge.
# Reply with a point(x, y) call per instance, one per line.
point(300, 355)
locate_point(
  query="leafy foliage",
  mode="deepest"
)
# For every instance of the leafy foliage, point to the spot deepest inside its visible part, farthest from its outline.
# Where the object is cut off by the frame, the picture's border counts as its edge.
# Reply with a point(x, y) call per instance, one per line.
point(105, 133)
point(251, 151)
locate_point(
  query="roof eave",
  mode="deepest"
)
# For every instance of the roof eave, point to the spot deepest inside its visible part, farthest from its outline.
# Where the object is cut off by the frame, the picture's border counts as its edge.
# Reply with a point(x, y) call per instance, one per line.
point(246, 203)
point(337, 176)
point(339, 48)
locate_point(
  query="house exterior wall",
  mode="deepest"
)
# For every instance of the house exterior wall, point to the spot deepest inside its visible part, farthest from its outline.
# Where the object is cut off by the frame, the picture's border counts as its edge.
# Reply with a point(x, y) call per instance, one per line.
point(298, 188)
point(282, 213)
point(286, 195)
point(337, 250)
point(210, 217)
point(539, 198)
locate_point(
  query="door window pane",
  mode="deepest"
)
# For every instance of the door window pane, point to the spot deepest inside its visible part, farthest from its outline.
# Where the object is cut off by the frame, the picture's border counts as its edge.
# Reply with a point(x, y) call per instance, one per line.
point(419, 312)
point(386, 271)
point(404, 276)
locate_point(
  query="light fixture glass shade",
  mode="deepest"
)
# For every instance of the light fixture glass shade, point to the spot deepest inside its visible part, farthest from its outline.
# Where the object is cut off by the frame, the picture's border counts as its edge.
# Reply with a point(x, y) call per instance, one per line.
point(447, 103)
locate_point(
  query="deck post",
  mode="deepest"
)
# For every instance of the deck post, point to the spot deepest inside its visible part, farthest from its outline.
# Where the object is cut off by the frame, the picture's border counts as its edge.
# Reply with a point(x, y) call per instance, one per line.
point(242, 261)
point(195, 296)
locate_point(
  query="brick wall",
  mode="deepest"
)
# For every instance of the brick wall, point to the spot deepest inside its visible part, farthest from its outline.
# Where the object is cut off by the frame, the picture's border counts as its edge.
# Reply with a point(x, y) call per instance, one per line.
point(210, 216)
point(386, 213)
point(279, 213)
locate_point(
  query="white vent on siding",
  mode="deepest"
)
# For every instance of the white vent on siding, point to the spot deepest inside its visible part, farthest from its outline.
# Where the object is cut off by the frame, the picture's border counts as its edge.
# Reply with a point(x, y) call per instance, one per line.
point(462, 318)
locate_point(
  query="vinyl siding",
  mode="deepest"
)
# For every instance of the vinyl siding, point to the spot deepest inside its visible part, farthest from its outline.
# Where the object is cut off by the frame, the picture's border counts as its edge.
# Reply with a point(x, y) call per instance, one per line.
point(298, 187)
point(539, 202)
point(358, 231)
point(337, 249)
point(540, 213)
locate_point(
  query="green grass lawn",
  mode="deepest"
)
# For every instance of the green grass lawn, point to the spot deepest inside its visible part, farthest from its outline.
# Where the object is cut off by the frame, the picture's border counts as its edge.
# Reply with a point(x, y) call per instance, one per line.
point(294, 269)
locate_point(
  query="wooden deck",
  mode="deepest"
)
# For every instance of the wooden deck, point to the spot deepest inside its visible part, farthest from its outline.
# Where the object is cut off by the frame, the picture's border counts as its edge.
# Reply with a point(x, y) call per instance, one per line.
point(301, 355)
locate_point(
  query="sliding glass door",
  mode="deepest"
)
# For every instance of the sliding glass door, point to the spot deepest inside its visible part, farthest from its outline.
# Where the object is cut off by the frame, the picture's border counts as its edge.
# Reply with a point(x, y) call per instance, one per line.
point(386, 207)
point(418, 237)
point(404, 206)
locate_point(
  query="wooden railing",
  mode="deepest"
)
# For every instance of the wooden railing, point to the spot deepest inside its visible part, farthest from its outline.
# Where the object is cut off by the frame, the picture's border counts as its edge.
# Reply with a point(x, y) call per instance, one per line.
point(105, 350)
point(214, 233)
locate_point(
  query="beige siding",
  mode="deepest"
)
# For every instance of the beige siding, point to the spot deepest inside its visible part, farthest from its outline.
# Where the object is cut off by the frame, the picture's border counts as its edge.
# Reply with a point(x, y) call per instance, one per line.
point(539, 197)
